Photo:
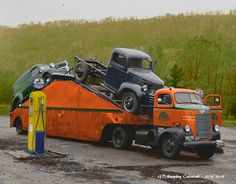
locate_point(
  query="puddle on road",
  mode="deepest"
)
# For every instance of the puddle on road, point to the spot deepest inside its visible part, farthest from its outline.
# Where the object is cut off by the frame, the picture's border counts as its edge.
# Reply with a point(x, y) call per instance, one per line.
point(230, 141)
point(57, 164)
point(156, 172)
point(77, 170)
point(96, 173)
point(13, 144)
point(71, 168)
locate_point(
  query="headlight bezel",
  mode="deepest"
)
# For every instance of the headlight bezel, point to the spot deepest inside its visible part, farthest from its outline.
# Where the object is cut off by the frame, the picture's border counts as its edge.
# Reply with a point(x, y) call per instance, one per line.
point(144, 87)
point(187, 128)
point(216, 128)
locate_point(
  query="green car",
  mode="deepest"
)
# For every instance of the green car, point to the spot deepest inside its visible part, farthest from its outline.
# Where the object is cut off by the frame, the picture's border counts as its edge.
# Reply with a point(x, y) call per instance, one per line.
point(23, 86)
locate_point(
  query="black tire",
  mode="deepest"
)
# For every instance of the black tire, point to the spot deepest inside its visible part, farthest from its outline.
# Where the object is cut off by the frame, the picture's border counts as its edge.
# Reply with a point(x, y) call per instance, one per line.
point(130, 102)
point(170, 147)
point(206, 152)
point(47, 79)
point(19, 127)
point(121, 138)
point(81, 72)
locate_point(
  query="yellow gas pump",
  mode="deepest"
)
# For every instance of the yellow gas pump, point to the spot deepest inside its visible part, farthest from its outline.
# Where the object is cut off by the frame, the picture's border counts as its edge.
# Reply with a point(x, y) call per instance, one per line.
point(37, 122)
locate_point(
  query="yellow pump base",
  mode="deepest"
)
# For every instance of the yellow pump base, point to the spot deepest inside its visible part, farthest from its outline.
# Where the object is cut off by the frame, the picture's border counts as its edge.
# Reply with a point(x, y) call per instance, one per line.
point(37, 122)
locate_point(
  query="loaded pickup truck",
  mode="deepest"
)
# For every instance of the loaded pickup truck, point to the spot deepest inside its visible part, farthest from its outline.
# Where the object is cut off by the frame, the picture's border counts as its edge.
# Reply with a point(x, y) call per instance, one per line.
point(128, 78)
point(180, 119)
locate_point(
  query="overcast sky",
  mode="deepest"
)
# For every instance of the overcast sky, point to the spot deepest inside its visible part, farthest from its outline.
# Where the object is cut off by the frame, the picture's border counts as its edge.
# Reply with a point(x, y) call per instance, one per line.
point(14, 12)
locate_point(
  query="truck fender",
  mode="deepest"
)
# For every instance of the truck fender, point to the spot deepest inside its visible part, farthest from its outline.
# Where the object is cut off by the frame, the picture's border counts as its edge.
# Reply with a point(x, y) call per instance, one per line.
point(16, 98)
point(19, 96)
point(131, 87)
point(177, 132)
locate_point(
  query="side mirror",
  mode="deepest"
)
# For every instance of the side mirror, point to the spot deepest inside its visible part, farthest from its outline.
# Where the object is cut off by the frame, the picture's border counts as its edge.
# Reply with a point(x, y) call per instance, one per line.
point(213, 100)
point(159, 100)
point(217, 101)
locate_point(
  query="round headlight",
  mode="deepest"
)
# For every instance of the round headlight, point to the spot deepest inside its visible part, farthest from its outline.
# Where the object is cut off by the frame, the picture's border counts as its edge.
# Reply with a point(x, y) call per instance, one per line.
point(145, 88)
point(187, 128)
point(217, 128)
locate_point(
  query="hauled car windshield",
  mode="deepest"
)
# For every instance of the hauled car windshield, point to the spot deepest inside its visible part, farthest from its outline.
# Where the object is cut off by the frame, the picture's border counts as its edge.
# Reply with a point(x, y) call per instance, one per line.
point(183, 98)
point(140, 63)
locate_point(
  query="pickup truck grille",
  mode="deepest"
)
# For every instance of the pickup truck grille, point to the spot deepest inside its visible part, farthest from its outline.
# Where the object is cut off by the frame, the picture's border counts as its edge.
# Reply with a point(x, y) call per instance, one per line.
point(203, 125)
point(151, 99)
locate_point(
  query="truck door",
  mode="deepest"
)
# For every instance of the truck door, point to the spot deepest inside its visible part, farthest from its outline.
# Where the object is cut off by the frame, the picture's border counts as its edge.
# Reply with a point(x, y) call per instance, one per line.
point(163, 110)
point(116, 72)
point(214, 102)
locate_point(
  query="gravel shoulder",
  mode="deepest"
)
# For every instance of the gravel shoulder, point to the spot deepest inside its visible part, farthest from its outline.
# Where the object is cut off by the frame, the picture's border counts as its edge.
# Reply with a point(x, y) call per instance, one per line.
point(89, 162)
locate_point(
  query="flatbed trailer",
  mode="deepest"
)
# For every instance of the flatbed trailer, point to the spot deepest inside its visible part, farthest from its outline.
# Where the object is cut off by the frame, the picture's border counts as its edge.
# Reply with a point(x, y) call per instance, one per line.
point(85, 112)
point(73, 109)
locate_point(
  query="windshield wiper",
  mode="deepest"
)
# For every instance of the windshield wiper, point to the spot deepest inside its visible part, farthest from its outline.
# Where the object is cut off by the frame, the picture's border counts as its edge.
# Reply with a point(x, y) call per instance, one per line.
point(196, 103)
point(189, 103)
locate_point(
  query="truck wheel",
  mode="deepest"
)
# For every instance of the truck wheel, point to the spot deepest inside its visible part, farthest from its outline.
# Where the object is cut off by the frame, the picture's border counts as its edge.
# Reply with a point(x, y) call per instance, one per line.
point(130, 102)
point(170, 147)
point(19, 127)
point(206, 152)
point(81, 72)
point(121, 138)
point(47, 79)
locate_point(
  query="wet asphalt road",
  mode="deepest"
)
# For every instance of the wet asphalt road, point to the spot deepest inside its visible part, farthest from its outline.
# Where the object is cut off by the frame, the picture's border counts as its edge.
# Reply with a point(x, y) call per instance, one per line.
point(89, 162)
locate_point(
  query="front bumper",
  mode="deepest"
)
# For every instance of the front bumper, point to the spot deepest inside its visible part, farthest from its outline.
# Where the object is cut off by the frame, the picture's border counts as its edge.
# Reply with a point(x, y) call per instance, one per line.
point(218, 143)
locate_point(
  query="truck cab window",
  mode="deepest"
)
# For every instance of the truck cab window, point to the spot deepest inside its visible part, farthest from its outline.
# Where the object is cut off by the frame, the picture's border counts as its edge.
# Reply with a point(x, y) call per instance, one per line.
point(118, 59)
point(164, 99)
point(139, 63)
point(35, 72)
point(186, 98)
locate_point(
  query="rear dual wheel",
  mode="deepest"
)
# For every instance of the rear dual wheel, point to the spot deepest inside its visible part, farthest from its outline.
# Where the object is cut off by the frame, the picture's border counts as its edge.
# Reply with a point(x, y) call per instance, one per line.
point(121, 137)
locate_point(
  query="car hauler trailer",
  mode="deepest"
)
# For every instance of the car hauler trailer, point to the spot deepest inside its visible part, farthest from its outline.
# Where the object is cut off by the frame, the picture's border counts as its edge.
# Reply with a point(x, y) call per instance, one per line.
point(82, 111)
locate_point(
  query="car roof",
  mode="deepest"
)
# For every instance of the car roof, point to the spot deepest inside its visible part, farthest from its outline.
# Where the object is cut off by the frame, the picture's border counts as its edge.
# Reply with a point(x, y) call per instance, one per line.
point(42, 66)
point(131, 53)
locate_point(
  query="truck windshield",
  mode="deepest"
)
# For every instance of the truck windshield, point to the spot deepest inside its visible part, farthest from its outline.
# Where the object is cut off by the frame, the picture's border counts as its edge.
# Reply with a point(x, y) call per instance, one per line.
point(183, 98)
point(140, 63)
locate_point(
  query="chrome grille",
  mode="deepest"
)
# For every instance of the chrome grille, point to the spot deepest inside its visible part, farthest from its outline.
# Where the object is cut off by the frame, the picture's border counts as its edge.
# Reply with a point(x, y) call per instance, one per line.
point(203, 125)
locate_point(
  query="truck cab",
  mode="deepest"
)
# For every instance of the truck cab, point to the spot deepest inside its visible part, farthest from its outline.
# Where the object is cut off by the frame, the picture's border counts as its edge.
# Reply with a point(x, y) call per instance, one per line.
point(130, 77)
point(181, 119)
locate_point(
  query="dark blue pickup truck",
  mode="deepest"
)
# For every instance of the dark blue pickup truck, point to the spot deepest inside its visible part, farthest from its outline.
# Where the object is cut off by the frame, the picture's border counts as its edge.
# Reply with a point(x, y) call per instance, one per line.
point(128, 77)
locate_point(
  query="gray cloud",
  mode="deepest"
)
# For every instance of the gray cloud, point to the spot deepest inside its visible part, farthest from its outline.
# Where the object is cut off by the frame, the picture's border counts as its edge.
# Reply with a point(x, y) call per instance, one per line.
point(14, 12)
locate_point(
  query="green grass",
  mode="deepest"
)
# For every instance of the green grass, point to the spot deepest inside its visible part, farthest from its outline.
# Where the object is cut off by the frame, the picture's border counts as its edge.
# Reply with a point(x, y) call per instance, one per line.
point(4, 109)
point(229, 123)
point(204, 46)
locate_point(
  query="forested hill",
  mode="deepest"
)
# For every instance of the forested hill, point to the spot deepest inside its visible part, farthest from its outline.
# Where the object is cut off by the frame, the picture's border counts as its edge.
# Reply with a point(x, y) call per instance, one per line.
point(197, 51)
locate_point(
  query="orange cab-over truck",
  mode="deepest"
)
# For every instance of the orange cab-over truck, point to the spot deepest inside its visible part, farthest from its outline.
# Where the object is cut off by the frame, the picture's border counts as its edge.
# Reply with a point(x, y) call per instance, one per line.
point(180, 119)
